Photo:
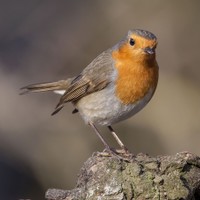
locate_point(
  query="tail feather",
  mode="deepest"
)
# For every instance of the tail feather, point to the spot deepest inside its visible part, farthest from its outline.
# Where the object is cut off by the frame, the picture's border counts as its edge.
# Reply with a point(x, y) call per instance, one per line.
point(43, 87)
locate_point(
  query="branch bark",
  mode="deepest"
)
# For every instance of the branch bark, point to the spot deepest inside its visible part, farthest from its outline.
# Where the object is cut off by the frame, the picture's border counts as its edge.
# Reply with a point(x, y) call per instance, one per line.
point(140, 177)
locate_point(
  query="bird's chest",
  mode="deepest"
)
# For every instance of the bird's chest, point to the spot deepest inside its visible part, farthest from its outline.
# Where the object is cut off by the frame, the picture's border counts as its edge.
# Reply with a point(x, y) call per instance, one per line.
point(133, 83)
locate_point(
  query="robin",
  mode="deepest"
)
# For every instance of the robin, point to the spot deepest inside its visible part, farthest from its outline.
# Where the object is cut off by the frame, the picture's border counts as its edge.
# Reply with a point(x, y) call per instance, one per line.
point(114, 86)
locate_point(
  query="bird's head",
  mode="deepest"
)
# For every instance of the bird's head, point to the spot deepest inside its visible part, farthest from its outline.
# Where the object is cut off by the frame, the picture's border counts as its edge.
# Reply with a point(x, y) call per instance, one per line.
point(139, 45)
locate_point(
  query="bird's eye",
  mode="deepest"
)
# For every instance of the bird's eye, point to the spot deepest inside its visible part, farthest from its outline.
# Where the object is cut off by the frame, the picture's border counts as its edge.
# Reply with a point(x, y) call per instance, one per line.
point(132, 42)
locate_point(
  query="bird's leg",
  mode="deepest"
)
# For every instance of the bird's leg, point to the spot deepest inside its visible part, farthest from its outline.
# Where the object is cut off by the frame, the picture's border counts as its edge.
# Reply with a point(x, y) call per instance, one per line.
point(117, 139)
point(108, 148)
point(99, 135)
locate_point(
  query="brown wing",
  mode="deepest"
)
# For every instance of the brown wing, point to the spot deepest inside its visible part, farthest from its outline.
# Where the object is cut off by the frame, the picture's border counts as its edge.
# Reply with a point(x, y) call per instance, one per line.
point(96, 76)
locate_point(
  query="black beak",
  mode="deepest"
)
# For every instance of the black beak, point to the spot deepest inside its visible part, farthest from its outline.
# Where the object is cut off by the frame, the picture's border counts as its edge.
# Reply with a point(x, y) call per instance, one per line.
point(149, 50)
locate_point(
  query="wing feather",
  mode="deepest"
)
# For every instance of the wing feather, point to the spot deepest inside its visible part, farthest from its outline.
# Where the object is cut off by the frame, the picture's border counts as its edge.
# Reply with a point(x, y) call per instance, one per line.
point(96, 76)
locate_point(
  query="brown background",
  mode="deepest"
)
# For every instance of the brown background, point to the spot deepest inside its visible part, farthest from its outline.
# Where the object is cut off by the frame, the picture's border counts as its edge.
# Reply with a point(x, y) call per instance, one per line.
point(52, 40)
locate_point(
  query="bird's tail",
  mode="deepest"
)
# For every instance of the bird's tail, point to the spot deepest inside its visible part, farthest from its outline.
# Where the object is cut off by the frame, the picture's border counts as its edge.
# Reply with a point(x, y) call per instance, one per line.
point(43, 87)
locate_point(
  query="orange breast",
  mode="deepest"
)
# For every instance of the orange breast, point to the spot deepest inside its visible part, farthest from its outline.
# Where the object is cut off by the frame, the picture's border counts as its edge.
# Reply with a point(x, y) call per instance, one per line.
point(135, 76)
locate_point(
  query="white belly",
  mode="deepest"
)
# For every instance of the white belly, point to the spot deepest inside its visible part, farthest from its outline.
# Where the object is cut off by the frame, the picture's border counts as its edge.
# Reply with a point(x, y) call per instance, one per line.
point(104, 108)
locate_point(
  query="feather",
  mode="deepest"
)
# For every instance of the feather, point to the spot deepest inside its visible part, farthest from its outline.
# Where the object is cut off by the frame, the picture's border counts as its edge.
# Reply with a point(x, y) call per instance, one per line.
point(43, 87)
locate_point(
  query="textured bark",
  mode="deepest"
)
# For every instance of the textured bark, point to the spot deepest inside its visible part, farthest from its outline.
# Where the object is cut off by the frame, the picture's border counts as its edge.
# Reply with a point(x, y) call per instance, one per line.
point(137, 177)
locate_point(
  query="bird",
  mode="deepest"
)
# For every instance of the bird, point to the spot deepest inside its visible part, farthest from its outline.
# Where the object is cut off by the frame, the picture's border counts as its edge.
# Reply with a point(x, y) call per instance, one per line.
point(116, 85)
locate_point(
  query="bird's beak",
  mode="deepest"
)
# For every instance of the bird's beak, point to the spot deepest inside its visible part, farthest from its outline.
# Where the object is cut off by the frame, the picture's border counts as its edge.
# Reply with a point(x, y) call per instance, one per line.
point(149, 50)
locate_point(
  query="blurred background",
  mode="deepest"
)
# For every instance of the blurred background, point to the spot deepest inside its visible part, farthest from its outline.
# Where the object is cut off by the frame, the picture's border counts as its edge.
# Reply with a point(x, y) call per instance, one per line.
point(51, 40)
